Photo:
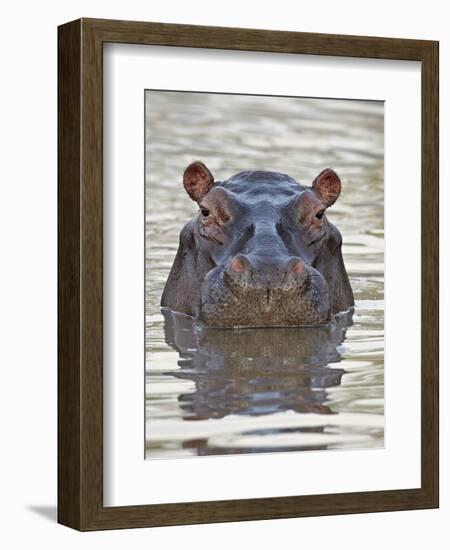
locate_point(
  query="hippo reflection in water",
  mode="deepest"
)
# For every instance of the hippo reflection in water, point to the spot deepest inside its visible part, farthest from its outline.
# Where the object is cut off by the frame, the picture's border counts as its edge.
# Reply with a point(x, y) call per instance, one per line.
point(253, 371)
point(260, 252)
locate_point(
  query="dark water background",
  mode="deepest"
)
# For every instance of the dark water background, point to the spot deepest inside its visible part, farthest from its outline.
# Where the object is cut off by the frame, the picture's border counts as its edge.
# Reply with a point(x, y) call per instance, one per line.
point(265, 390)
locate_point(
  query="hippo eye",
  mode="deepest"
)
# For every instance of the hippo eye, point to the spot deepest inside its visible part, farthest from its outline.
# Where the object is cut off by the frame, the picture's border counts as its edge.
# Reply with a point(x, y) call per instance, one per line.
point(205, 212)
point(319, 214)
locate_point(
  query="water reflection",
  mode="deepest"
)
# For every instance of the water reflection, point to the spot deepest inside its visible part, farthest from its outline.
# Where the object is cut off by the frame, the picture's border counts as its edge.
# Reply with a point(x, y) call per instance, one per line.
point(255, 371)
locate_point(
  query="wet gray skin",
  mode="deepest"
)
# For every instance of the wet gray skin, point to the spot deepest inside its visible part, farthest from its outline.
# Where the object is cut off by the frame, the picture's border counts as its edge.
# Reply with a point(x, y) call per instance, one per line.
point(260, 252)
point(276, 369)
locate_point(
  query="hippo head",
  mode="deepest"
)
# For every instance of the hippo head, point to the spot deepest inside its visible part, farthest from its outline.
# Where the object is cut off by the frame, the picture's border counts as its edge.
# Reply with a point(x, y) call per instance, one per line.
point(260, 252)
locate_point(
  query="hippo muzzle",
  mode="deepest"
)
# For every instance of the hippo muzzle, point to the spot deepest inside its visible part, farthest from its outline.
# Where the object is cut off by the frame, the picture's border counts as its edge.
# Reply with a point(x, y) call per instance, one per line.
point(269, 296)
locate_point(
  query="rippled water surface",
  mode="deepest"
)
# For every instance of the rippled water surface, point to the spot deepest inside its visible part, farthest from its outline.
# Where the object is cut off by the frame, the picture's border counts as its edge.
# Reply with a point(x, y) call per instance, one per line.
point(265, 390)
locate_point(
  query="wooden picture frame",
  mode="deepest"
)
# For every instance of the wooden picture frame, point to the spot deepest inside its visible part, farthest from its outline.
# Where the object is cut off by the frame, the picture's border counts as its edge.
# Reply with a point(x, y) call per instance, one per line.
point(80, 272)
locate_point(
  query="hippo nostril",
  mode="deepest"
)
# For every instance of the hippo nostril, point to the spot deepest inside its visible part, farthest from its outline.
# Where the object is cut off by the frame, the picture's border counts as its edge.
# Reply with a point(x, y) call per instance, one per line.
point(295, 266)
point(298, 267)
point(239, 264)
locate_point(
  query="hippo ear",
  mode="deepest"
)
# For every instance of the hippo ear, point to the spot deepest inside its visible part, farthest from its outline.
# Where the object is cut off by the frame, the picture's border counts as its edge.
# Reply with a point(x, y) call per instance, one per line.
point(197, 180)
point(327, 186)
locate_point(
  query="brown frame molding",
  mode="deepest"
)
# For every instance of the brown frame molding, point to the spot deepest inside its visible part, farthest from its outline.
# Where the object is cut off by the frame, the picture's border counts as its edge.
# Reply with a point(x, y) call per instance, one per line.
point(80, 265)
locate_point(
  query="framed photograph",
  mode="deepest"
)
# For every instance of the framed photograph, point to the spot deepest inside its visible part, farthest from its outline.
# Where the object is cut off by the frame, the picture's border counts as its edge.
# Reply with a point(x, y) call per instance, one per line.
point(248, 274)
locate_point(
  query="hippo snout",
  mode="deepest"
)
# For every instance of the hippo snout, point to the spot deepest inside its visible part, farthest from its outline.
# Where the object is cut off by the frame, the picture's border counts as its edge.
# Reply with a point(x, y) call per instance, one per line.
point(245, 294)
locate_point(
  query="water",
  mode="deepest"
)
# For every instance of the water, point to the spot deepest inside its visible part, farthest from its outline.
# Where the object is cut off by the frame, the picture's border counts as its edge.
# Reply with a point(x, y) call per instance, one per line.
point(221, 392)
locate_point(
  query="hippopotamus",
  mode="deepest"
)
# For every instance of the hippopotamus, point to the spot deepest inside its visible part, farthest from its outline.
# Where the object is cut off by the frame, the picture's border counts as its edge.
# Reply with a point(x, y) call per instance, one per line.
point(260, 252)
